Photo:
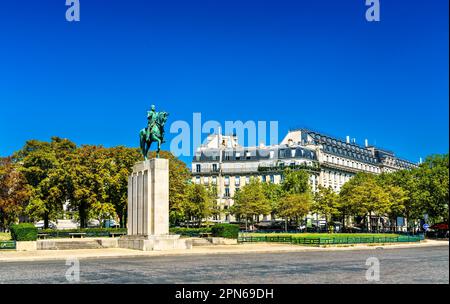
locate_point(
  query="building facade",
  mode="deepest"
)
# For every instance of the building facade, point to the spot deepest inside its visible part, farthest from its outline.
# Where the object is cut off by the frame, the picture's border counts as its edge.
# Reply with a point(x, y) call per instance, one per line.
point(330, 161)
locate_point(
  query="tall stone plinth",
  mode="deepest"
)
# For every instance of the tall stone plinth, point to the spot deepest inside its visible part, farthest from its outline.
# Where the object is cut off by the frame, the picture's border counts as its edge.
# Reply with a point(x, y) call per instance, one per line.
point(148, 209)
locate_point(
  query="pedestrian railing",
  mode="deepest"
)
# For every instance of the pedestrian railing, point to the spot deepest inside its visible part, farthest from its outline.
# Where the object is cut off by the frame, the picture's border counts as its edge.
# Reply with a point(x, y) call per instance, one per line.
point(329, 240)
point(7, 245)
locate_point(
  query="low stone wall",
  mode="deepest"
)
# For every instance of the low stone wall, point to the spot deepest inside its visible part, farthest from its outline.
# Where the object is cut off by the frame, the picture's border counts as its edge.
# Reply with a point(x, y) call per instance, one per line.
point(26, 246)
point(222, 241)
point(108, 242)
point(157, 243)
point(69, 244)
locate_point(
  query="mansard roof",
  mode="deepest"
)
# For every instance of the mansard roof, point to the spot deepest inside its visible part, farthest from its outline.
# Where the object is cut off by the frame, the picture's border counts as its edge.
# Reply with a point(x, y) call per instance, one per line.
point(341, 148)
point(256, 154)
point(354, 151)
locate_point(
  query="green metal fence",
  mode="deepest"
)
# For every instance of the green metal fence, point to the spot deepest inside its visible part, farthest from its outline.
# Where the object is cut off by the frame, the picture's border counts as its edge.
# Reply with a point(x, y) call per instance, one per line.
point(7, 245)
point(330, 241)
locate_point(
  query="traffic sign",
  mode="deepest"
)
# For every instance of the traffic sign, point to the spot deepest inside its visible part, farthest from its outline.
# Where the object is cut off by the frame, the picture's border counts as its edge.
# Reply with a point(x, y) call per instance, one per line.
point(425, 226)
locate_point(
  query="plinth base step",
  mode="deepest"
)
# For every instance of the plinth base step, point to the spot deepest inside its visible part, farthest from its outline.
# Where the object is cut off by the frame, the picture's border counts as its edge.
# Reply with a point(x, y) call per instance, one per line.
point(157, 243)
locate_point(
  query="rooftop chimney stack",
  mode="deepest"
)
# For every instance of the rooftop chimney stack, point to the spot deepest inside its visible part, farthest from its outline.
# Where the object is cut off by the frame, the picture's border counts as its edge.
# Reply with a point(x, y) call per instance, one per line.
point(347, 139)
point(354, 140)
point(366, 142)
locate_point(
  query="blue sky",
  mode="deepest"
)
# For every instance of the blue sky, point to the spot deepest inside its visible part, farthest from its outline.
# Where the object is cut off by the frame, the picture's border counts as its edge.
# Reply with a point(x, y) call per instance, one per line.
point(316, 64)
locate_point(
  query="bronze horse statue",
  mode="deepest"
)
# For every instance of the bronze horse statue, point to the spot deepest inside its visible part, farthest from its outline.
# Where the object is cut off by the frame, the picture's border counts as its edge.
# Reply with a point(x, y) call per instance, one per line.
point(153, 133)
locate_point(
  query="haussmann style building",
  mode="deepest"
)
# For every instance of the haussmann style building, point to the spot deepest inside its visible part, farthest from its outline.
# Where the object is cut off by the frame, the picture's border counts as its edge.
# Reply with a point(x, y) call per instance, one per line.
point(330, 161)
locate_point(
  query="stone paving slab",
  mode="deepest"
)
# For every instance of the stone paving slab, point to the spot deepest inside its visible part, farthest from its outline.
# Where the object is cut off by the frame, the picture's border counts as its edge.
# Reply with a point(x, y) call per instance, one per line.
point(42, 255)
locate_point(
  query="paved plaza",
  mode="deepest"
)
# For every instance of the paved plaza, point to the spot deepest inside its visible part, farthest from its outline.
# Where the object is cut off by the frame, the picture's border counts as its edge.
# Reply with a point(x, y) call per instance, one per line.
point(397, 265)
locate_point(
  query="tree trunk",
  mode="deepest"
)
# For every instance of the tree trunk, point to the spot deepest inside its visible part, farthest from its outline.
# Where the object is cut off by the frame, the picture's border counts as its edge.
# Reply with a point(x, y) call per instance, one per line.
point(343, 221)
point(82, 214)
point(367, 220)
point(46, 220)
point(2, 221)
point(286, 224)
point(120, 215)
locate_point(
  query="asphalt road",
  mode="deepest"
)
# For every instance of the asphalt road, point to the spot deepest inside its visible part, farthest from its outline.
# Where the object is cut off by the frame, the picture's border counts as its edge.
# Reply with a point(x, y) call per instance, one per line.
point(413, 265)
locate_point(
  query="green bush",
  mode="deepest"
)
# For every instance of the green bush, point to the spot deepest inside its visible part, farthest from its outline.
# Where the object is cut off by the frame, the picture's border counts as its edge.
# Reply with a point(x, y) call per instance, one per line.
point(228, 231)
point(24, 232)
point(189, 231)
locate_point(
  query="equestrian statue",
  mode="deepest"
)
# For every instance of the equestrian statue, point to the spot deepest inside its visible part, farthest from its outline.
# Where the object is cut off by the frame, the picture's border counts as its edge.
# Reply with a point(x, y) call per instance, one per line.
point(154, 132)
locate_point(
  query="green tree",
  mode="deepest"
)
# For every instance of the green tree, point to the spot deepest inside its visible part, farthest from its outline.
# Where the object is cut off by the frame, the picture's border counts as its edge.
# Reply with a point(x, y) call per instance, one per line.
point(362, 196)
point(85, 173)
point(14, 192)
point(120, 166)
point(41, 165)
point(250, 202)
point(433, 175)
point(295, 181)
point(398, 196)
point(294, 207)
point(408, 180)
point(326, 203)
point(102, 211)
point(200, 203)
point(273, 193)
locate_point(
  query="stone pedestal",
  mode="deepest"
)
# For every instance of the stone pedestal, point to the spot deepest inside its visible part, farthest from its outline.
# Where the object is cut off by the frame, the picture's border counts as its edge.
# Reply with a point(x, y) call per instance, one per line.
point(148, 209)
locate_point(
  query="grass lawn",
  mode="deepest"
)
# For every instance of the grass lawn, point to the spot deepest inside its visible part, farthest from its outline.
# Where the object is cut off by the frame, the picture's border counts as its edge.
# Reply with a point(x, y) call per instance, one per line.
point(322, 235)
point(5, 236)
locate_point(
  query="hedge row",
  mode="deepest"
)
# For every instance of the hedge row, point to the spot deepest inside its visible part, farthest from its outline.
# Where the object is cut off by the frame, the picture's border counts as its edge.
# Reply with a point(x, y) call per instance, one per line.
point(192, 232)
point(229, 231)
point(90, 232)
point(28, 232)
point(24, 232)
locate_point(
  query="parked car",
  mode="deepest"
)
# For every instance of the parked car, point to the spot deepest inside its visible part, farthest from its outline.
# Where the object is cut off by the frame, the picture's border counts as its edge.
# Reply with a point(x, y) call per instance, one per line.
point(110, 224)
point(93, 223)
point(40, 225)
point(66, 224)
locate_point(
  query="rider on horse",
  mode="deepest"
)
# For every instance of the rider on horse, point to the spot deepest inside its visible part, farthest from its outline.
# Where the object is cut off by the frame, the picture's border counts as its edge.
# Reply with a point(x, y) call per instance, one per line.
point(152, 115)
point(154, 132)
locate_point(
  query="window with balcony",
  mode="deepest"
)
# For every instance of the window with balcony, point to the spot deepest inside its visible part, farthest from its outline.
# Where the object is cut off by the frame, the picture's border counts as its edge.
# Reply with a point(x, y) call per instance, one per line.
point(214, 168)
point(228, 155)
point(198, 168)
point(237, 181)
point(227, 192)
